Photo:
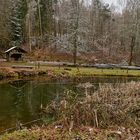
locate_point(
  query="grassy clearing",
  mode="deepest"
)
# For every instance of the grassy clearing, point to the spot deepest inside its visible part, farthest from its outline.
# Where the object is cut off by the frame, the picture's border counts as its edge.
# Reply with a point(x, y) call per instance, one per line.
point(75, 72)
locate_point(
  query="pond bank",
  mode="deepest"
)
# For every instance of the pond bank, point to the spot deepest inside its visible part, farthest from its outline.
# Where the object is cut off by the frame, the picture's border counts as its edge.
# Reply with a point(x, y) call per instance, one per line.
point(64, 72)
point(8, 72)
point(83, 133)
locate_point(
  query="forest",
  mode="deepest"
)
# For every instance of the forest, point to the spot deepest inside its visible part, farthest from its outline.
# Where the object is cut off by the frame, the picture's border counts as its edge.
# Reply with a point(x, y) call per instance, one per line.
point(89, 30)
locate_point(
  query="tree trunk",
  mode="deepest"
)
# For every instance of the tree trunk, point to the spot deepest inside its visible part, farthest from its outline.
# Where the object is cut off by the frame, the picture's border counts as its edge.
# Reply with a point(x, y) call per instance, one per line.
point(75, 51)
point(40, 24)
point(75, 41)
point(132, 49)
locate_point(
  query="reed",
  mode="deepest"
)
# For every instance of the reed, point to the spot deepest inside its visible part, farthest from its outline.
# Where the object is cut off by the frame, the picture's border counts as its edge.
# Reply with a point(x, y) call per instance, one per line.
point(109, 105)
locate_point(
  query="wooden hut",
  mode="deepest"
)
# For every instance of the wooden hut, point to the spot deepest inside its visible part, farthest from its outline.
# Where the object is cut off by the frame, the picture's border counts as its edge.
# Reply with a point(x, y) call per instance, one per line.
point(15, 53)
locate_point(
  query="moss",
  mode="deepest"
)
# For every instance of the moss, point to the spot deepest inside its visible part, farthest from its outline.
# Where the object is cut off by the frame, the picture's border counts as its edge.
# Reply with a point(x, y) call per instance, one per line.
point(82, 133)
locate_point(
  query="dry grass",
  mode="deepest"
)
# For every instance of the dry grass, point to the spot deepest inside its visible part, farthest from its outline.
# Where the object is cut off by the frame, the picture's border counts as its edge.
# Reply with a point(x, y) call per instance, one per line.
point(109, 105)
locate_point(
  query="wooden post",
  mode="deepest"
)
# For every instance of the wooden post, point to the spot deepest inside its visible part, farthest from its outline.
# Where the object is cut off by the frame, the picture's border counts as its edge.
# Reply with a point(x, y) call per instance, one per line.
point(8, 56)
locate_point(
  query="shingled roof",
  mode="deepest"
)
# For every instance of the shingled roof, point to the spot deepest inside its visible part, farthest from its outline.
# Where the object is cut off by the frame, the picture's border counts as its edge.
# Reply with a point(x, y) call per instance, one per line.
point(15, 48)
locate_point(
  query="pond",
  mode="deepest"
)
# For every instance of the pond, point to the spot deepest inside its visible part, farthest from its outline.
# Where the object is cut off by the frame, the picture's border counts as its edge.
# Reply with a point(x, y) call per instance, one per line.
point(20, 100)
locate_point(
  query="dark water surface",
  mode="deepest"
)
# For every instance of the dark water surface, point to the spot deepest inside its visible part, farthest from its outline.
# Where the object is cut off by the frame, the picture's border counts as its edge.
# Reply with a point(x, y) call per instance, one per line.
point(20, 100)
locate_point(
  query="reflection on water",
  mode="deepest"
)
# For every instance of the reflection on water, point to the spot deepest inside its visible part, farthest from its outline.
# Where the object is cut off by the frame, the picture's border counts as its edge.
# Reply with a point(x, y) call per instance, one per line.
point(21, 100)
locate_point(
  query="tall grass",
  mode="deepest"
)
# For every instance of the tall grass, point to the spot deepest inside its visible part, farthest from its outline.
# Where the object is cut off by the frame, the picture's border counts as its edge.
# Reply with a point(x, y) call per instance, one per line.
point(109, 105)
